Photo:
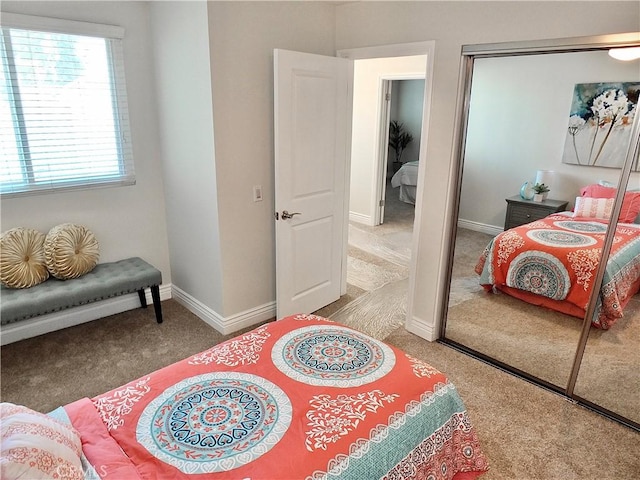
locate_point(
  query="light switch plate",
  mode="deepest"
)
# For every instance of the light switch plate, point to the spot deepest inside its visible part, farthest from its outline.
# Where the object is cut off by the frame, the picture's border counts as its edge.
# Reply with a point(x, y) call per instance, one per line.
point(257, 193)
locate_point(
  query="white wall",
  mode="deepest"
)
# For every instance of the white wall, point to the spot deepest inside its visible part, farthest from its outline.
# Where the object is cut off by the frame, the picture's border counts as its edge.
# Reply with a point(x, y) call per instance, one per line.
point(127, 221)
point(367, 82)
point(407, 100)
point(518, 122)
point(222, 243)
point(451, 25)
point(242, 38)
point(131, 220)
point(183, 80)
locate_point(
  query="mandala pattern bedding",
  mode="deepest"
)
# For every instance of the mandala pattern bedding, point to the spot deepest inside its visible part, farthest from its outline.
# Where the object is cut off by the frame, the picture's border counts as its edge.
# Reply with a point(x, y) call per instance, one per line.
point(553, 262)
point(300, 398)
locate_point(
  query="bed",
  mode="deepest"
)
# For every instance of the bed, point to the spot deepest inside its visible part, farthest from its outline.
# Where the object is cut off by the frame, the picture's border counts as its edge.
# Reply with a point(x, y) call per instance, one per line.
point(552, 262)
point(406, 178)
point(299, 398)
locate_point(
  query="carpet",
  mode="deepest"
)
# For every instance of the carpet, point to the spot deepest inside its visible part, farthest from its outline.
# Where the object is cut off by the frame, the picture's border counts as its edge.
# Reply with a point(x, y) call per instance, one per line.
point(376, 313)
point(526, 432)
point(543, 342)
point(369, 272)
point(50, 370)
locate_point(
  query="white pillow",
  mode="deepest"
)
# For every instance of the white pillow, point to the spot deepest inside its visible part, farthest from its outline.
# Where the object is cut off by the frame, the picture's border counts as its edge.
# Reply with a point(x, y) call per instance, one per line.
point(589, 207)
point(35, 446)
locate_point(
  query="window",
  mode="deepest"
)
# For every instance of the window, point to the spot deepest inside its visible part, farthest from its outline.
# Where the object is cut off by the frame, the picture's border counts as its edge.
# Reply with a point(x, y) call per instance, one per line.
point(63, 106)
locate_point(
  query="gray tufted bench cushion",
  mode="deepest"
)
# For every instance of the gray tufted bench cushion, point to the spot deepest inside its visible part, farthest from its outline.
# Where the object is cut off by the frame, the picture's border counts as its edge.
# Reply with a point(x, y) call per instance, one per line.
point(106, 280)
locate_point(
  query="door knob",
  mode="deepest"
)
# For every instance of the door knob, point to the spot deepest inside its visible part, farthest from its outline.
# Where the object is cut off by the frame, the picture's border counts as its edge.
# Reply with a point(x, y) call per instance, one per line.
point(286, 215)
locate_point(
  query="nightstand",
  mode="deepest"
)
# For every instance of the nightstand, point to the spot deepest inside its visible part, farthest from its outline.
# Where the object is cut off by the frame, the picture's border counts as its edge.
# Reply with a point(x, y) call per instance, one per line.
point(521, 211)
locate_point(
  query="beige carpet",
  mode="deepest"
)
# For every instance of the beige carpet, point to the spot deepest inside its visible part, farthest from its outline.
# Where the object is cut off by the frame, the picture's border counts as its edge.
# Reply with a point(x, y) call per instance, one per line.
point(369, 272)
point(83, 361)
point(376, 313)
point(542, 342)
point(526, 432)
point(352, 294)
point(377, 272)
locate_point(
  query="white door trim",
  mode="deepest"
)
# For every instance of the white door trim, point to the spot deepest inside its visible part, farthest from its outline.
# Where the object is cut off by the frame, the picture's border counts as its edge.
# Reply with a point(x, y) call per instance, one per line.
point(383, 149)
point(399, 50)
point(383, 144)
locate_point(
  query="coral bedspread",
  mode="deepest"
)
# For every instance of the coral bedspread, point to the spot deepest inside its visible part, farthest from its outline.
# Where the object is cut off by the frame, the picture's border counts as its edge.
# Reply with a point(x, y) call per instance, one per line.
point(300, 398)
point(553, 262)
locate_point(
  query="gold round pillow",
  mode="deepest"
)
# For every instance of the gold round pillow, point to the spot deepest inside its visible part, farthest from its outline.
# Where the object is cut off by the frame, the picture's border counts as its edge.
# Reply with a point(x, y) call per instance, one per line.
point(22, 263)
point(70, 251)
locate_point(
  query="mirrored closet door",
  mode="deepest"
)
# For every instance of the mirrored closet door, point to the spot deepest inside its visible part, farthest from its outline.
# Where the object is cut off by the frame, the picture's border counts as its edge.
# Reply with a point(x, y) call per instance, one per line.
point(560, 113)
point(609, 365)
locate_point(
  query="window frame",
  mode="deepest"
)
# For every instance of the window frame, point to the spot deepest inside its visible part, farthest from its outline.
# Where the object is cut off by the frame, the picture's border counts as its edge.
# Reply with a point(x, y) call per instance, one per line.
point(113, 36)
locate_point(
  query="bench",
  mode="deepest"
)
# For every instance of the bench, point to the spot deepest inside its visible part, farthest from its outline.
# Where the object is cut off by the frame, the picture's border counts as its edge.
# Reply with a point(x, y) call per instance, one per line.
point(106, 280)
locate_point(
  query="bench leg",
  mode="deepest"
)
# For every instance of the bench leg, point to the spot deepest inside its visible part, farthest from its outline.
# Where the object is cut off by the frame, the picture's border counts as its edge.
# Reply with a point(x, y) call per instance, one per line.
point(143, 298)
point(155, 295)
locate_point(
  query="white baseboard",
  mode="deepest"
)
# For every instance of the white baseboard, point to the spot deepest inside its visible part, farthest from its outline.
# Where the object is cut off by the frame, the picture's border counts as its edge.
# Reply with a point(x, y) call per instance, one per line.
point(480, 227)
point(423, 329)
point(70, 317)
point(224, 325)
point(359, 218)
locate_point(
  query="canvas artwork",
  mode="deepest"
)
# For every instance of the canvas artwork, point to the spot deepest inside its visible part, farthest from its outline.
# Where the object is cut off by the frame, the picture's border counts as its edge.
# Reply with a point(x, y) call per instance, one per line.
point(600, 124)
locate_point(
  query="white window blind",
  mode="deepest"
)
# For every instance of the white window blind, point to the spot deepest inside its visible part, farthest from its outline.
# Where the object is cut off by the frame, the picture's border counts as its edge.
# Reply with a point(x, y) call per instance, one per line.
point(64, 121)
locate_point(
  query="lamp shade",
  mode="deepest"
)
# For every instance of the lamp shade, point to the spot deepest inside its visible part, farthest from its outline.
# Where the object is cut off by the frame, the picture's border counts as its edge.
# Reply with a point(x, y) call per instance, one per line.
point(544, 176)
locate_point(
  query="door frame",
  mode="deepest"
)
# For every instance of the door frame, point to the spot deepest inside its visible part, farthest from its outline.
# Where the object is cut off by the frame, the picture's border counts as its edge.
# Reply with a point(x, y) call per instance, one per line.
point(382, 156)
point(386, 90)
point(400, 50)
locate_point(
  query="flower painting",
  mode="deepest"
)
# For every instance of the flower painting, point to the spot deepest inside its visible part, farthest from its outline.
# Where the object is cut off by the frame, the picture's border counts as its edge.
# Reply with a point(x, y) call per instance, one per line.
point(600, 124)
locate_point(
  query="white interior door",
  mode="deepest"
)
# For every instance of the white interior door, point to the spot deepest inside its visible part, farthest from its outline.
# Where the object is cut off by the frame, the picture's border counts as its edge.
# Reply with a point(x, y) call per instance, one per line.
point(312, 147)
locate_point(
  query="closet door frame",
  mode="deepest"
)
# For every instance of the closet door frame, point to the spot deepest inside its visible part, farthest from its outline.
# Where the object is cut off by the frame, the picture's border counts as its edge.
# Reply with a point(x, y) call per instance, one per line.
point(540, 47)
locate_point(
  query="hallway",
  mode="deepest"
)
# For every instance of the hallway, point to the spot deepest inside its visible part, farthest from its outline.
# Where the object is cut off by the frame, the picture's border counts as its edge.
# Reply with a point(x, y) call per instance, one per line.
point(378, 272)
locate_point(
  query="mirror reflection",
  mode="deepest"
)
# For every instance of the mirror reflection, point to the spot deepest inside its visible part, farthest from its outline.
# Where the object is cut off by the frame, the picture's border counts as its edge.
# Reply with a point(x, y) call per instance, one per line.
point(608, 375)
point(523, 265)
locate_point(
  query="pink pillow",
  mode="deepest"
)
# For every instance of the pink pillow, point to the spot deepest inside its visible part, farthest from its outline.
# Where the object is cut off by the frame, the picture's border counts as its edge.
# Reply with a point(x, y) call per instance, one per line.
point(630, 204)
point(630, 207)
point(598, 191)
point(34, 445)
point(587, 207)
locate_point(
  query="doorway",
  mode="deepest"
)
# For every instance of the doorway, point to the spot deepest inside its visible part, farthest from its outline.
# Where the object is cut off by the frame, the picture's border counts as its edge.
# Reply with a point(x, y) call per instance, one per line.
point(378, 263)
point(380, 247)
point(402, 119)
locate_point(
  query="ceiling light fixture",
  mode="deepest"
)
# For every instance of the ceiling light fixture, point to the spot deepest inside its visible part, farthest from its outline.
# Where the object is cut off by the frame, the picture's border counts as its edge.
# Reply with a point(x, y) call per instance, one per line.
point(625, 54)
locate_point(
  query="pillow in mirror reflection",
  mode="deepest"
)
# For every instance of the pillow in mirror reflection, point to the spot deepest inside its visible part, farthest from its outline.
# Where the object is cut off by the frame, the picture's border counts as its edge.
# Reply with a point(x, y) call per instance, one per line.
point(630, 210)
point(588, 207)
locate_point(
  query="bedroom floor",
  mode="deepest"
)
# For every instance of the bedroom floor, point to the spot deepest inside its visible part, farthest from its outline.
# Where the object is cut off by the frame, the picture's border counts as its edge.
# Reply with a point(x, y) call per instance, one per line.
point(535, 340)
point(527, 432)
point(543, 342)
point(378, 272)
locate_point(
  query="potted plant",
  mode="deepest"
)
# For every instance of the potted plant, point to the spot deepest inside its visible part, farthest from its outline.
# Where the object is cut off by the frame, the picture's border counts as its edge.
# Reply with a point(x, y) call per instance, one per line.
point(540, 190)
point(399, 138)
